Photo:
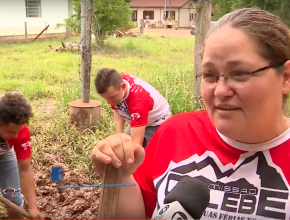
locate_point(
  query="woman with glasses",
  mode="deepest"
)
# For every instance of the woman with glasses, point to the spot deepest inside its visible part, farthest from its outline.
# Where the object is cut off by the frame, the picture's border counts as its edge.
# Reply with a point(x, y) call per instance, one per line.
point(238, 147)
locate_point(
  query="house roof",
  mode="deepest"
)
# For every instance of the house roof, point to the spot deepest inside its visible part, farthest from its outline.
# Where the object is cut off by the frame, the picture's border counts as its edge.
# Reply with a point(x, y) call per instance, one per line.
point(157, 3)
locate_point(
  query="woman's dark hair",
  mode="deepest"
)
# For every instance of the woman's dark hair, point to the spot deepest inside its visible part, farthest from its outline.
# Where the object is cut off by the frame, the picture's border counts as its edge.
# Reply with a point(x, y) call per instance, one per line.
point(265, 28)
point(14, 109)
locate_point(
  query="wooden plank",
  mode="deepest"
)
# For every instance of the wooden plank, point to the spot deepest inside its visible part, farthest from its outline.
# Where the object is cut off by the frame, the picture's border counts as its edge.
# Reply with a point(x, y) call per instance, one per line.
point(25, 29)
point(109, 196)
point(41, 32)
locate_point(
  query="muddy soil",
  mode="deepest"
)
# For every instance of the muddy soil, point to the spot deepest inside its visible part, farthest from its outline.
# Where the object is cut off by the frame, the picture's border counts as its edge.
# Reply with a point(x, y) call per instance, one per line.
point(66, 203)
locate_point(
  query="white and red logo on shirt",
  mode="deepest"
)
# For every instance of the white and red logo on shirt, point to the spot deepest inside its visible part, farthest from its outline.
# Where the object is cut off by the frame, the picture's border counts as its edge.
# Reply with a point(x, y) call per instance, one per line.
point(135, 116)
point(26, 145)
point(245, 181)
point(21, 144)
point(252, 187)
point(143, 104)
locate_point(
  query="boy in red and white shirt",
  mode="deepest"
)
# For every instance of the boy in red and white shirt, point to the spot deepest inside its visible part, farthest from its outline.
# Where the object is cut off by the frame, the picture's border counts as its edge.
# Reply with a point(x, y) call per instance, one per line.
point(133, 101)
point(15, 155)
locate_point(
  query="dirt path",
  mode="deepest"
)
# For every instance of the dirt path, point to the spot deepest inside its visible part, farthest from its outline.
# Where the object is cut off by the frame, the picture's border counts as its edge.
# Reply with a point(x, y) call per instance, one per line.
point(169, 33)
point(181, 33)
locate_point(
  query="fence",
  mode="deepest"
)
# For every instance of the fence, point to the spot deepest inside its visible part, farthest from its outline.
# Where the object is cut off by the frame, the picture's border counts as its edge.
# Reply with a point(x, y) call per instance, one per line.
point(29, 33)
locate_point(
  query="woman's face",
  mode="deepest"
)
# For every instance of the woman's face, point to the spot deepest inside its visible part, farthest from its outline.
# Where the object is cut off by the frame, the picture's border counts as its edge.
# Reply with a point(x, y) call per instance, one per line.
point(244, 105)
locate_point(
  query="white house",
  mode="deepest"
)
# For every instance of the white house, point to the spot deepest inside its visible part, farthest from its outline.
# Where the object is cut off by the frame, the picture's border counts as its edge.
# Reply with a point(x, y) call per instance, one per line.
point(37, 14)
point(182, 11)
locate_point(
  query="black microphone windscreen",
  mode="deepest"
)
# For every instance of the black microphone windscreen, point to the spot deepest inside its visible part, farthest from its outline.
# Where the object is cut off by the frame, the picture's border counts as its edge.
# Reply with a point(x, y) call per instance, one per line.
point(192, 195)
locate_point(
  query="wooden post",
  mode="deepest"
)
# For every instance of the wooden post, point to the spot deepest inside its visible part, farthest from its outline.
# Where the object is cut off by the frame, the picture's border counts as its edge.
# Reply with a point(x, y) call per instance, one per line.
point(25, 30)
point(88, 109)
point(41, 32)
point(89, 39)
point(141, 26)
point(202, 25)
point(85, 81)
point(169, 9)
point(45, 31)
point(164, 18)
point(109, 196)
point(67, 33)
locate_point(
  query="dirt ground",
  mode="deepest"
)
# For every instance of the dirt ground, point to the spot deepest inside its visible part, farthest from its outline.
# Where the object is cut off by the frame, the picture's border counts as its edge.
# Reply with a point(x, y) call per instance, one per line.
point(69, 203)
point(169, 32)
point(160, 32)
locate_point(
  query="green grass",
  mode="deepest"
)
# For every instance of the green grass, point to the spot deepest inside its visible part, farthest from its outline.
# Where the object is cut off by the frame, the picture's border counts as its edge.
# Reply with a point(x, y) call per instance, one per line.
point(52, 79)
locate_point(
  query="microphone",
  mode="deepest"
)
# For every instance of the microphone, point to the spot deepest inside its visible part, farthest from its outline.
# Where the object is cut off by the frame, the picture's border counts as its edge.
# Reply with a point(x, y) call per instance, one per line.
point(187, 200)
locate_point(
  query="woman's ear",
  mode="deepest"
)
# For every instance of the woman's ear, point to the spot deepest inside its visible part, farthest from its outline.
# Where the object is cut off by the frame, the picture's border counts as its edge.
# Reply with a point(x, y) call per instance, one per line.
point(286, 78)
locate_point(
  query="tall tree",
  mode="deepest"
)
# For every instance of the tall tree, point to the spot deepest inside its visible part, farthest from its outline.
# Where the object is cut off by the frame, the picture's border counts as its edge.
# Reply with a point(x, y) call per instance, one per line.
point(285, 11)
point(108, 16)
point(222, 7)
point(280, 8)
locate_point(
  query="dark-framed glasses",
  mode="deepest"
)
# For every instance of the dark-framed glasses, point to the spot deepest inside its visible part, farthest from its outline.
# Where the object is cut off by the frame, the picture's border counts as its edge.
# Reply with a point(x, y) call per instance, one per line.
point(233, 77)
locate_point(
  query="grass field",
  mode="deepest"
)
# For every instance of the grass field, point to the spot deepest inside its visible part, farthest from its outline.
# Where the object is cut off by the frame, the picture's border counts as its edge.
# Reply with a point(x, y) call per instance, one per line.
point(50, 80)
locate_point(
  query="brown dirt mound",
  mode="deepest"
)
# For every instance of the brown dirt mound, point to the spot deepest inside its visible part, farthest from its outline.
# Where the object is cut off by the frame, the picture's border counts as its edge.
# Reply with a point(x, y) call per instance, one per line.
point(65, 203)
point(55, 203)
point(68, 203)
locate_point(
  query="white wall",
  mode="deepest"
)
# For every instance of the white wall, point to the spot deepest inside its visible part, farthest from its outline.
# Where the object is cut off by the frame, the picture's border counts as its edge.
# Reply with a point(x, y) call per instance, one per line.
point(13, 16)
point(184, 17)
point(12, 13)
point(185, 14)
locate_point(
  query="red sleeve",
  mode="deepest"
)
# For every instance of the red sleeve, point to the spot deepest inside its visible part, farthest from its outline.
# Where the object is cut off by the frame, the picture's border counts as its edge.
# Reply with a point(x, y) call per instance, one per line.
point(144, 176)
point(22, 145)
point(139, 107)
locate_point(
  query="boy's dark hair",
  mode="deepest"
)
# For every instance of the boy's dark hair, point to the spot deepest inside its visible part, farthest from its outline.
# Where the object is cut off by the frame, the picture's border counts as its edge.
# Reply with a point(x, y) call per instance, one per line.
point(14, 109)
point(107, 77)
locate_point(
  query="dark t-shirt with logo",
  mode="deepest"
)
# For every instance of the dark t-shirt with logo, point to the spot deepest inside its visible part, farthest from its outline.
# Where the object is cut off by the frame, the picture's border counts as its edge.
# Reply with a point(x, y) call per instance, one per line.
point(246, 181)
point(21, 144)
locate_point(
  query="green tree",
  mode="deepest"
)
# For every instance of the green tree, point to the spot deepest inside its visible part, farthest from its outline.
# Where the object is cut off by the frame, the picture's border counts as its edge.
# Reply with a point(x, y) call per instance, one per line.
point(285, 11)
point(222, 7)
point(280, 8)
point(108, 16)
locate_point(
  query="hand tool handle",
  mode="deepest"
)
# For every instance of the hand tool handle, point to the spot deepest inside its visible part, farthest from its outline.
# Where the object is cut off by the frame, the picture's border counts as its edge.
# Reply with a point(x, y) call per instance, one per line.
point(15, 207)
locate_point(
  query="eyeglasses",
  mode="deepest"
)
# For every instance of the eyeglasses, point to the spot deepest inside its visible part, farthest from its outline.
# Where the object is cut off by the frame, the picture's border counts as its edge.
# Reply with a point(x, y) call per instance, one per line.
point(233, 77)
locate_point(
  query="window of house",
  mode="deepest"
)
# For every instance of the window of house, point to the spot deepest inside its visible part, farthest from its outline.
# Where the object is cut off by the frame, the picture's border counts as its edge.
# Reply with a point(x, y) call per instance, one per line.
point(191, 17)
point(134, 16)
point(33, 8)
point(172, 14)
point(148, 15)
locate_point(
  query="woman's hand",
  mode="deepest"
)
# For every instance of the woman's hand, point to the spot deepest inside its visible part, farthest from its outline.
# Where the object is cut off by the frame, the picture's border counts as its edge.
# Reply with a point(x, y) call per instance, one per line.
point(119, 151)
